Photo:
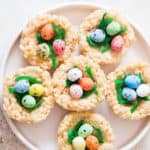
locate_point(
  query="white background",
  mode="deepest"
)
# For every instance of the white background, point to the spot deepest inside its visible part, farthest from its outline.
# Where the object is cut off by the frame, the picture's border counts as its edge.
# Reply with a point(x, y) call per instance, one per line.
point(14, 14)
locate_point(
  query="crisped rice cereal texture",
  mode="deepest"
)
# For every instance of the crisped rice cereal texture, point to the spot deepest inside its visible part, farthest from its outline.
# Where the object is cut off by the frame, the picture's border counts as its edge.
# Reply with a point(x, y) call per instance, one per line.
point(121, 110)
point(91, 22)
point(17, 112)
point(28, 42)
point(70, 120)
point(61, 93)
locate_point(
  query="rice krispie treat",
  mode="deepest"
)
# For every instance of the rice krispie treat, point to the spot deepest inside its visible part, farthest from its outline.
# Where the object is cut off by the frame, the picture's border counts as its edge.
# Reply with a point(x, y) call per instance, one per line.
point(105, 36)
point(79, 84)
point(28, 95)
point(81, 131)
point(129, 91)
point(48, 40)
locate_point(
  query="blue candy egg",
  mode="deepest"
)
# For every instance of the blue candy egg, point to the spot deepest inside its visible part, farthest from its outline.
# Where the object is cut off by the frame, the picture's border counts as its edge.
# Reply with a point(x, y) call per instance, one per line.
point(22, 86)
point(98, 35)
point(129, 94)
point(132, 81)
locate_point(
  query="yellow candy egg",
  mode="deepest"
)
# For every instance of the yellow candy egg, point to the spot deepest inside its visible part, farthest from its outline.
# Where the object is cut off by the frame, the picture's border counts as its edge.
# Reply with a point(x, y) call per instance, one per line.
point(36, 90)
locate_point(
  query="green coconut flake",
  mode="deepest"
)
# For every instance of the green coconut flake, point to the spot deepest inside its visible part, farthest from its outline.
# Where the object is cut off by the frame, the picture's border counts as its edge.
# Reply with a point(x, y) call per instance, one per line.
point(39, 38)
point(105, 48)
point(72, 133)
point(57, 31)
point(135, 106)
point(63, 33)
point(53, 56)
point(11, 90)
point(88, 93)
point(122, 30)
point(100, 134)
point(31, 79)
point(68, 83)
point(144, 98)
point(119, 82)
point(105, 21)
point(141, 77)
point(92, 43)
point(89, 72)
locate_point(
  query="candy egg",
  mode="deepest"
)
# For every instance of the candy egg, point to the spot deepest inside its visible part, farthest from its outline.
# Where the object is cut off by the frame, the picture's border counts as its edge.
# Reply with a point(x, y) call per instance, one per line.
point(132, 81)
point(36, 90)
point(47, 32)
point(92, 143)
point(85, 130)
point(59, 47)
point(78, 143)
point(76, 91)
point(43, 51)
point(28, 101)
point(129, 94)
point(117, 43)
point(22, 86)
point(86, 83)
point(143, 90)
point(113, 28)
point(98, 35)
point(74, 74)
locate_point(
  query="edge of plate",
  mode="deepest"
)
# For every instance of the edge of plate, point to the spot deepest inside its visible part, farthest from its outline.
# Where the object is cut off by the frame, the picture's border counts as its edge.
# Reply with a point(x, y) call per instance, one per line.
point(6, 54)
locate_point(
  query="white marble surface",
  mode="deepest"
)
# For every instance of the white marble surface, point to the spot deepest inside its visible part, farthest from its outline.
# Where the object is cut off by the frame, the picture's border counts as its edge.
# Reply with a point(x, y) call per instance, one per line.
point(14, 13)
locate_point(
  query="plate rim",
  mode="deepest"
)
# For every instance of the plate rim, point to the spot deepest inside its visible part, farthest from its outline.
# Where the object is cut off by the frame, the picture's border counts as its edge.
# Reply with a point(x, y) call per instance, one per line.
point(6, 53)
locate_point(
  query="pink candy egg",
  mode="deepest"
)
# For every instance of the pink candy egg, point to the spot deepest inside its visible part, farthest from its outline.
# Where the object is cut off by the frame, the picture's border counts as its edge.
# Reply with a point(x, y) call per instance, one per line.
point(117, 43)
point(76, 91)
point(59, 47)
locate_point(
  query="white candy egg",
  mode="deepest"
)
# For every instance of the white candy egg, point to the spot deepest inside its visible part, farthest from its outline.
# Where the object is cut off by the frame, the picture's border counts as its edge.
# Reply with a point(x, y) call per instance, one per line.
point(74, 74)
point(78, 143)
point(143, 90)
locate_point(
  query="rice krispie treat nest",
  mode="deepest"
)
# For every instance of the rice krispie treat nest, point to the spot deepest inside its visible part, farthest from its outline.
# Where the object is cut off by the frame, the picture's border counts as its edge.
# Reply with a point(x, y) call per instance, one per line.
point(129, 91)
point(105, 36)
point(28, 95)
point(79, 84)
point(48, 40)
point(85, 130)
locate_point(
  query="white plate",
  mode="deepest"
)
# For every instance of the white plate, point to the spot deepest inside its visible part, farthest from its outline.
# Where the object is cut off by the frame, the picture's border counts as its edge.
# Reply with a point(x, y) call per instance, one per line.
point(43, 135)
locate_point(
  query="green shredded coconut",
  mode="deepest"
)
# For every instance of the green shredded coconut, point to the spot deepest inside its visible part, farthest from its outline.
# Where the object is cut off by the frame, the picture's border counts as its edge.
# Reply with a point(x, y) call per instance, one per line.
point(100, 134)
point(39, 38)
point(31, 79)
point(89, 72)
point(72, 133)
point(88, 93)
point(135, 106)
point(53, 56)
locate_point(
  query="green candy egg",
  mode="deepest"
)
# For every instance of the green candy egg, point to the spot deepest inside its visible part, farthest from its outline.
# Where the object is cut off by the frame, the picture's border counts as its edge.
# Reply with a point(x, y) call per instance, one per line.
point(43, 51)
point(113, 28)
point(78, 143)
point(28, 101)
point(85, 130)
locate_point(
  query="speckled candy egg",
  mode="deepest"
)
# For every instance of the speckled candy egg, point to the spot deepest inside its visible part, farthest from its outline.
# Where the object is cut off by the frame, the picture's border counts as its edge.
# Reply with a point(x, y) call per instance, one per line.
point(43, 51)
point(74, 74)
point(117, 43)
point(47, 32)
point(85, 130)
point(92, 143)
point(36, 90)
point(28, 101)
point(98, 35)
point(59, 47)
point(76, 91)
point(132, 81)
point(143, 90)
point(113, 28)
point(22, 86)
point(129, 94)
point(86, 83)
point(78, 143)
